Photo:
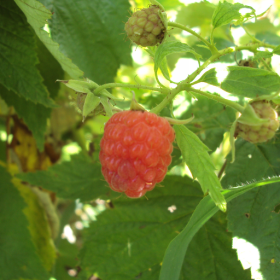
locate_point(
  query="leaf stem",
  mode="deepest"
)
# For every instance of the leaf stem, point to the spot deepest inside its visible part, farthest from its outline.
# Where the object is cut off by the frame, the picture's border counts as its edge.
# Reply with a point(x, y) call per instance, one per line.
point(185, 84)
point(265, 64)
point(113, 85)
point(219, 99)
point(214, 57)
point(183, 27)
point(169, 97)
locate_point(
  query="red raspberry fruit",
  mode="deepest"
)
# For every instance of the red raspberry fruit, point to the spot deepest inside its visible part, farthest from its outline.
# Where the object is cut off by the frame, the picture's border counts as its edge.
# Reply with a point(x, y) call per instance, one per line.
point(135, 151)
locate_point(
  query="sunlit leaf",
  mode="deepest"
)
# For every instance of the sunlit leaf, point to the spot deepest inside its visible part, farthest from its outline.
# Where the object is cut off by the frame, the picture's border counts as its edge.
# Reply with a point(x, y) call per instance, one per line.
point(167, 4)
point(49, 68)
point(91, 102)
point(226, 12)
point(277, 50)
point(250, 82)
point(262, 54)
point(37, 16)
point(210, 77)
point(170, 47)
point(211, 120)
point(91, 33)
point(196, 156)
point(176, 250)
point(253, 216)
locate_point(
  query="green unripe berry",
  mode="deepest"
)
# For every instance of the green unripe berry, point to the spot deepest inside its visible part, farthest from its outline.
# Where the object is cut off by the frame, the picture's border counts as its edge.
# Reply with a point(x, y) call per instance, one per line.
point(259, 133)
point(145, 27)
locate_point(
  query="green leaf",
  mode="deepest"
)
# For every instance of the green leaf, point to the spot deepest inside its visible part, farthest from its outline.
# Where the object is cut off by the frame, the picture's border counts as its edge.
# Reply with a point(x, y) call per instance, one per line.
point(49, 68)
point(262, 25)
point(28, 110)
point(250, 82)
point(269, 37)
point(37, 16)
point(91, 102)
point(40, 229)
point(277, 50)
point(18, 258)
point(80, 86)
point(66, 259)
point(114, 244)
point(262, 54)
point(211, 120)
point(170, 47)
point(210, 77)
point(232, 139)
point(166, 4)
point(163, 65)
point(18, 57)
point(196, 156)
point(106, 105)
point(220, 44)
point(176, 156)
point(253, 216)
point(196, 15)
point(95, 41)
point(78, 179)
point(176, 250)
point(226, 12)
point(120, 234)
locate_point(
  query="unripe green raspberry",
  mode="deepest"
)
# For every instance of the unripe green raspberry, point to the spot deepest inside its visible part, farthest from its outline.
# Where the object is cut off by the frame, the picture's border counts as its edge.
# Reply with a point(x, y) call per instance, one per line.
point(145, 28)
point(262, 132)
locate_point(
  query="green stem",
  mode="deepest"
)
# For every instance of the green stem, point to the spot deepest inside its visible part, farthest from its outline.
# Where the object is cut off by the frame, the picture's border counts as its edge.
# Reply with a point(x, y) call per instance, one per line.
point(250, 47)
point(169, 97)
point(192, 76)
point(265, 64)
point(219, 99)
point(112, 85)
point(183, 27)
point(251, 36)
point(185, 84)
point(212, 37)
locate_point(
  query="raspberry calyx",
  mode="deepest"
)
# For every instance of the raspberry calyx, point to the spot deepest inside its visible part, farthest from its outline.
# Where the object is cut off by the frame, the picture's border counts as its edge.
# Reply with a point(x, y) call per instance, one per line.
point(135, 151)
point(259, 132)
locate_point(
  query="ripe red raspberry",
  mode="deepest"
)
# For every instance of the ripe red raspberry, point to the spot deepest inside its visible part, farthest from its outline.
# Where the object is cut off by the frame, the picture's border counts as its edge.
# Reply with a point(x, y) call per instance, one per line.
point(135, 151)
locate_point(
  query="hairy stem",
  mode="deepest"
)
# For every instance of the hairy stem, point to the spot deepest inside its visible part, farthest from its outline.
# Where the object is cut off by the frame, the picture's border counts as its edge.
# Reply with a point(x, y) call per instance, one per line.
point(265, 64)
point(169, 97)
point(185, 84)
point(183, 27)
point(214, 57)
point(112, 85)
point(219, 99)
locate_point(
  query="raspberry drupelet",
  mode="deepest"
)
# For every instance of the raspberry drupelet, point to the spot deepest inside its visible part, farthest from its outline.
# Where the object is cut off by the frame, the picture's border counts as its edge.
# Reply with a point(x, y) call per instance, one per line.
point(259, 133)
point(135, 151)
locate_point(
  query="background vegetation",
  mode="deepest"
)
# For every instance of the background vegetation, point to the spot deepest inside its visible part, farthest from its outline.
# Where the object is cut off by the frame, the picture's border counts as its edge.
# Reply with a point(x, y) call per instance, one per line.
point(59, 219)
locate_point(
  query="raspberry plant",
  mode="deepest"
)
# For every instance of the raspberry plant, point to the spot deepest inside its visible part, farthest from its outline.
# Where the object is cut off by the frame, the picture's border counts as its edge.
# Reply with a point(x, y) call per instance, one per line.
point(139, 140)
